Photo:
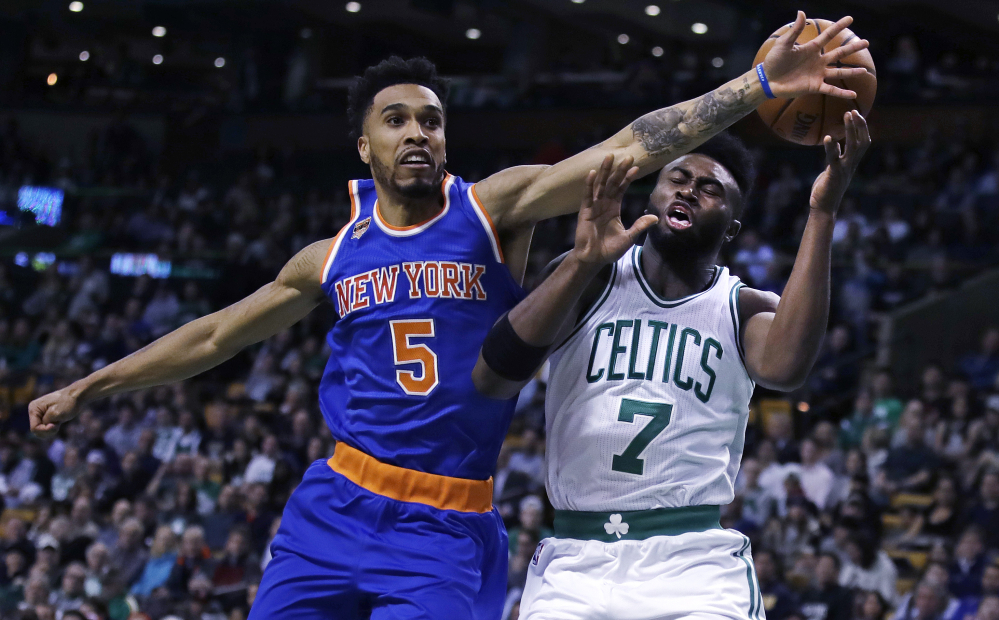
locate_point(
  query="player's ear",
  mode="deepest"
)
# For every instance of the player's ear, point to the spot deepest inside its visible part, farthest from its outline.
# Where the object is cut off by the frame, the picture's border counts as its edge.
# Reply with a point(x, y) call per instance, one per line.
point(364, 149)
point(733, 229)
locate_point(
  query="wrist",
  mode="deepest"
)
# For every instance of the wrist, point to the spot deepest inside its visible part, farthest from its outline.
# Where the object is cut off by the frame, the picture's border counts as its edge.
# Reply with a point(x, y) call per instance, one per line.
point(578, 264)
point(83, 391)
point(761, 79)
point(823, 213)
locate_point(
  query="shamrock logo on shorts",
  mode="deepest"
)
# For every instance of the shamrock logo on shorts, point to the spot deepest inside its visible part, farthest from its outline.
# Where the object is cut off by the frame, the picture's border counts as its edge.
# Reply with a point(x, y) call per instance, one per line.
point(616, 526)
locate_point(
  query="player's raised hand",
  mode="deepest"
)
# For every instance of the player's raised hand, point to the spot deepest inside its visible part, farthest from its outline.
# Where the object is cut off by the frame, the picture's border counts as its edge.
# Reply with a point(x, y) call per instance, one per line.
point(600, 235)
point(47, 413)
point(794, 70)
point(831, 184)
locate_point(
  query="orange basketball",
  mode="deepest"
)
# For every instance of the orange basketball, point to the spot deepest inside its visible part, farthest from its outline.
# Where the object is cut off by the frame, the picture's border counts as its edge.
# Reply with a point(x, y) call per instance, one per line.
point(808, 119)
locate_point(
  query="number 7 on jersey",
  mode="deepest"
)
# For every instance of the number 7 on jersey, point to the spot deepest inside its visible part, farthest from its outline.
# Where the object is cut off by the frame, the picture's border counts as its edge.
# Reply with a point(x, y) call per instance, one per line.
point(405, 352)
point(628, 462)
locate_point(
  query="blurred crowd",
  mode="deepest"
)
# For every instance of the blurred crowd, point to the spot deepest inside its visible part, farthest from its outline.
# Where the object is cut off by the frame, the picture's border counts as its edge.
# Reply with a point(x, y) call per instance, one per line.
point(161, 503)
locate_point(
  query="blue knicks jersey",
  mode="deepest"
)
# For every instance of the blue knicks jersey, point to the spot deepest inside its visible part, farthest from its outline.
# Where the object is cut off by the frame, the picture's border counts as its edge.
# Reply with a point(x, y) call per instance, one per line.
point(414, 305)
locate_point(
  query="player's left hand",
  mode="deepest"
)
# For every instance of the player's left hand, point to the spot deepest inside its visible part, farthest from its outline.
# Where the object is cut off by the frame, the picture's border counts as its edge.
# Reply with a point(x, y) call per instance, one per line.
point(601, 237)
point(841, 163)
point(794, 70)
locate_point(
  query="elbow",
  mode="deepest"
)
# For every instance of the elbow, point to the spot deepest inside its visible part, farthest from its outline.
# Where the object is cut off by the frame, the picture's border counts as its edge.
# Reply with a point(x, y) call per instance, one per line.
point(783, 381)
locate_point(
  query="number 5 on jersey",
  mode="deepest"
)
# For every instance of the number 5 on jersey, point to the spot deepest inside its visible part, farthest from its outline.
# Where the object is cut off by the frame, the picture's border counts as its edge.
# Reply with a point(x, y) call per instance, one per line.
point(405, 352)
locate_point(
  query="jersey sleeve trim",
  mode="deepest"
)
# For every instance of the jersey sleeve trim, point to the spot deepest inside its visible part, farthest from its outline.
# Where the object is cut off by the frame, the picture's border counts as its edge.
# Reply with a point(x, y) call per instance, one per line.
point(734, 308)
point(352, 191)
point(487, 224)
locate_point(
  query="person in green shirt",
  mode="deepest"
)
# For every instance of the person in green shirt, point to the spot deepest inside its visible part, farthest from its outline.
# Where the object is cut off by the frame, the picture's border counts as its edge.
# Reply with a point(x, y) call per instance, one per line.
point(852, 429)
point(887, 407)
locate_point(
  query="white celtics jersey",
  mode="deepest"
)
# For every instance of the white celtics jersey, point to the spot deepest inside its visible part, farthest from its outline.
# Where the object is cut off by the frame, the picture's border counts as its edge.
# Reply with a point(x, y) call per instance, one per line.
point(648, 399)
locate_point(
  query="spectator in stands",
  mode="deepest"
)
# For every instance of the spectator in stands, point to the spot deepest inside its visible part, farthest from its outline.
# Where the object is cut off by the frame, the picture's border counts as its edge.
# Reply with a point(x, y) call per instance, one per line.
point(238, 566)
point(757, 503)
point(14, 537)
point(929, 602)
point(887, 406)
point(909, 466)
point(261, 466)
point(942, 517)
point(99, 569)
point(817, 480)
point(754, 257)
point(852, 428)
point(129, 553)
point(528, 458)
point(159, 566)
point(70, 593)
point(779, 601)
point(194, 560)
point(969, 564)
point(984, 513)
point(530, 518)
point(14, 576)
point(124, 436)
point(826, 599)
point(982, 368)
point(833, 373)
point(990, 588)
point(868, 567)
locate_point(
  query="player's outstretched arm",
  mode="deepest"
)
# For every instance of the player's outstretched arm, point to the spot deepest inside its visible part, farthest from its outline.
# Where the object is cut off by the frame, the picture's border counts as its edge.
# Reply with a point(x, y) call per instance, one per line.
point(523, 195)
point(782, 336)
point(521, 340)
point(198, 345)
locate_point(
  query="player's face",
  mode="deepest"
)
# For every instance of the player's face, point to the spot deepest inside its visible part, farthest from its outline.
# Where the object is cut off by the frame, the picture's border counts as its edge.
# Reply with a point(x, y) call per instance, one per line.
point(694, 199)
point(403, 140)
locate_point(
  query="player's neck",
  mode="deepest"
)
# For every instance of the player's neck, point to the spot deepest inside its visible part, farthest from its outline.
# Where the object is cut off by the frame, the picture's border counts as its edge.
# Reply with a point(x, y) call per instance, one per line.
point(672, 278)
point(401, 211)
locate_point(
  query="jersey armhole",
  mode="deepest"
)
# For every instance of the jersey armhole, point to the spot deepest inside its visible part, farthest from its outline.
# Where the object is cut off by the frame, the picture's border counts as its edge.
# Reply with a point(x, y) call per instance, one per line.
point(352, 191)
point(586, 313)
point(735, 311)
point(487, 224)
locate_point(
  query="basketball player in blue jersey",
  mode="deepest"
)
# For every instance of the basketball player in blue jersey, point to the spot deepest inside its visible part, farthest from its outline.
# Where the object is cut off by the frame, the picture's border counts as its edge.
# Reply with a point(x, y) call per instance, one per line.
point(399, 522)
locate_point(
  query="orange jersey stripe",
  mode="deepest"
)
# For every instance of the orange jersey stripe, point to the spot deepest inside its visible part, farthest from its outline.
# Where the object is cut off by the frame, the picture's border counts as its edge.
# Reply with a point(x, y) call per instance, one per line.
point(408, 485)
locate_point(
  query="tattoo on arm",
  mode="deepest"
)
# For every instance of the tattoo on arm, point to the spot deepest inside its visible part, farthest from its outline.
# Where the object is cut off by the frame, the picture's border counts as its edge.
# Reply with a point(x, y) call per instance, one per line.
point(676, 127)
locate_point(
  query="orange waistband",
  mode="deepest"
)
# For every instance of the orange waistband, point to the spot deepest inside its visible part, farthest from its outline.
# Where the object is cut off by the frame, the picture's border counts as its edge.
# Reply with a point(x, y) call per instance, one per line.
point(407, 485)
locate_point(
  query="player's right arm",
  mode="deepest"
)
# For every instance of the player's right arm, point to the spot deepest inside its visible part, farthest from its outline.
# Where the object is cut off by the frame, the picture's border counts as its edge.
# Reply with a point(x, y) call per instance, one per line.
point(518, 197)
point(521, 340)
point(197, 346)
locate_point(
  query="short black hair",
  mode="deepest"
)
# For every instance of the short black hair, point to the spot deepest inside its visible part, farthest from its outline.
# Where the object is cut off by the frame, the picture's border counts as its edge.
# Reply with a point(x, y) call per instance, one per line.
point(733, 155)
point(389, 72)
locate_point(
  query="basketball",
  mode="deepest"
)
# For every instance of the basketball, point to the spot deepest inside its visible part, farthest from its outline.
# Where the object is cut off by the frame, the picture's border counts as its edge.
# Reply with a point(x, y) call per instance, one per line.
point(807, 120)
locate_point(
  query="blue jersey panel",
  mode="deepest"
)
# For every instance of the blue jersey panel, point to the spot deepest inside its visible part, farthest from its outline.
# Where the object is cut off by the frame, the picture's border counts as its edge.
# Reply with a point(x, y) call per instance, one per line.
point(414, 306)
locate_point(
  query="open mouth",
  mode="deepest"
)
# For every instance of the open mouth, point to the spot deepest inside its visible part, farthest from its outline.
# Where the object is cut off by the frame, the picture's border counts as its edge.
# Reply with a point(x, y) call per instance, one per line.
point(417, 160)
point(678, 216)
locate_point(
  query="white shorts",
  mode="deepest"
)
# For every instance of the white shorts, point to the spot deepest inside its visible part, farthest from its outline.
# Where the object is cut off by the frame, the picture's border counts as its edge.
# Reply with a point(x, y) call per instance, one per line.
point(706, 574)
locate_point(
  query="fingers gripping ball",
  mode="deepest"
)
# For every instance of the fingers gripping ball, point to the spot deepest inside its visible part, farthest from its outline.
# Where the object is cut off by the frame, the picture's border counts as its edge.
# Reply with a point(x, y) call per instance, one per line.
point(808, 119)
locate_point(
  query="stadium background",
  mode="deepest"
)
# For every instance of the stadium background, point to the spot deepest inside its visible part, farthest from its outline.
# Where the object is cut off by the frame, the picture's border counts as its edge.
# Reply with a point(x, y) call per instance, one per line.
point(189, 148)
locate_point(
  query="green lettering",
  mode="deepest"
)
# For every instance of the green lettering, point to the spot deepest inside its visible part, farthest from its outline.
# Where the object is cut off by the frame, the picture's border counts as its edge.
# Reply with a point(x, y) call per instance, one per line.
point(657, 326)
point(590, 377)
point(708, 345)
point(635, 335)
point(617, 349)
point(684, 384)
point(669, 352)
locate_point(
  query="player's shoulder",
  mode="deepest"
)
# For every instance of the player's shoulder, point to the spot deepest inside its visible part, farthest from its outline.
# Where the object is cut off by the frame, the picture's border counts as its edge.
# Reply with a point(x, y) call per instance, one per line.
point(754, 301)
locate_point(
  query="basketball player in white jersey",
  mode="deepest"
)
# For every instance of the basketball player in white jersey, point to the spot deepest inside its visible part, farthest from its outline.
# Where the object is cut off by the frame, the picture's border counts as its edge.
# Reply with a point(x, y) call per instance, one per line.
point(655, 351)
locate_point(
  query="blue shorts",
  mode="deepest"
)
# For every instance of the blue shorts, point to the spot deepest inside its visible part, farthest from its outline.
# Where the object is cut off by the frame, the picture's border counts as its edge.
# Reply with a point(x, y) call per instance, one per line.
point(343, 552)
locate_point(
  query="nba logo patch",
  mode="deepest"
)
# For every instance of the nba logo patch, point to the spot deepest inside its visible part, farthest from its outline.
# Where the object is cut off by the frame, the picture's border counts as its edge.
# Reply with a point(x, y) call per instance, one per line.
point(360, 228)
point(537, 553)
